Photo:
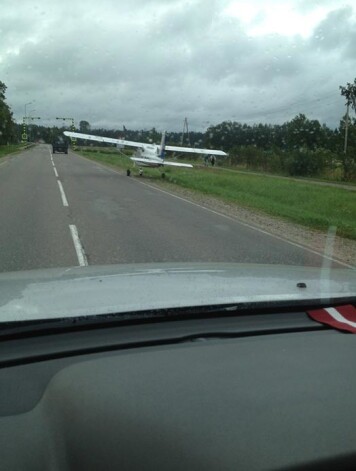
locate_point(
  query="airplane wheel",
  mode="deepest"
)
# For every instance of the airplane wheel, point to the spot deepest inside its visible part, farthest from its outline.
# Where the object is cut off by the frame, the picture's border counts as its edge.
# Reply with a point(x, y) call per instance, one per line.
point(128, 172)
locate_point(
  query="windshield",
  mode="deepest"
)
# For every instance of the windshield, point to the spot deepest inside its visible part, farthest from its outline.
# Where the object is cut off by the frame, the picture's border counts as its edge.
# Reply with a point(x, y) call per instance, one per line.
point(179, 132)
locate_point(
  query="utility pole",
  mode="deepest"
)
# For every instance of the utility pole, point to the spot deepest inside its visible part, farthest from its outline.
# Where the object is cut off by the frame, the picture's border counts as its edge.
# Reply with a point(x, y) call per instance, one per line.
point(346, 126)
point(185, 130)
point(26, 105)
point(349, 92)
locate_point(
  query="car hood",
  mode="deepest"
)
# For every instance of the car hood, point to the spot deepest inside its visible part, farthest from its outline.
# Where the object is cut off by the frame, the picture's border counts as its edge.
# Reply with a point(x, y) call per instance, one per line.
point(116, 289)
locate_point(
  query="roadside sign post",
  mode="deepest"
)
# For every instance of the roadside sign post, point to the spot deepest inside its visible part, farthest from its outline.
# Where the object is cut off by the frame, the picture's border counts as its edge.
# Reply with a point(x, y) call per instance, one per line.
point(25, 124)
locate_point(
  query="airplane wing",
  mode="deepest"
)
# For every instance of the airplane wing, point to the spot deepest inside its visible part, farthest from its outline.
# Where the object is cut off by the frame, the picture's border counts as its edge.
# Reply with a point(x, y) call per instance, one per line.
point(195, 150)
point(111, 140)
point(123, 142)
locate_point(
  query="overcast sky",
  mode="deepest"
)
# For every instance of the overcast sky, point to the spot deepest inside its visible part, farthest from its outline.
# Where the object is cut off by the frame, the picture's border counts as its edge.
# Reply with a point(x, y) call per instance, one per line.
point(151, 63)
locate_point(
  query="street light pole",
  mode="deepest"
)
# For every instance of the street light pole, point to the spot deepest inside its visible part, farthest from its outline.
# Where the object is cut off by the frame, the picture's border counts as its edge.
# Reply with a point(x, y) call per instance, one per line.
point(26, 104)
point(31, 118)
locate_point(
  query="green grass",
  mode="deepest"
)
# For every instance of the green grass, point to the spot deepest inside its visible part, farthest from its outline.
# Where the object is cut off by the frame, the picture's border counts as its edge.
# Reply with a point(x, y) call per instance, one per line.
point(10, 149)
point(304, 203)
point(108, 157)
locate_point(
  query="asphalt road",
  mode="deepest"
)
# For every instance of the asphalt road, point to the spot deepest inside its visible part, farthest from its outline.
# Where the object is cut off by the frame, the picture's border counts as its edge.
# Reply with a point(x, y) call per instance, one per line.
point(64, 210)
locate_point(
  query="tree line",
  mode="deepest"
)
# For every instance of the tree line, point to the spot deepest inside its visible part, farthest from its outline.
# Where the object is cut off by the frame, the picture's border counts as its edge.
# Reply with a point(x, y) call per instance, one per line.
point(301, 146)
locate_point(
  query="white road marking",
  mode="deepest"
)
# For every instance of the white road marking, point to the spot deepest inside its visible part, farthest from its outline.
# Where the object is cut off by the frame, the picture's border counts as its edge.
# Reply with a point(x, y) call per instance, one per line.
point(82, 259)
point(262, 231)
point(51, 155)
point(63, 195)
point(55, 172)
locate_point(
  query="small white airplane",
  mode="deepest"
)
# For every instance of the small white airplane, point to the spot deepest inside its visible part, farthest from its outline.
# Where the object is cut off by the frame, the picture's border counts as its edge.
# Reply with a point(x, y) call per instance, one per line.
point(148, 155)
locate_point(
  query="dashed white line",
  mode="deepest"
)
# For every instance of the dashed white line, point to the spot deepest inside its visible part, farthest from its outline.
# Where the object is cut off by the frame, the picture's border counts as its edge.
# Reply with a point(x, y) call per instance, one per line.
point(82, 259)
point(63, 195)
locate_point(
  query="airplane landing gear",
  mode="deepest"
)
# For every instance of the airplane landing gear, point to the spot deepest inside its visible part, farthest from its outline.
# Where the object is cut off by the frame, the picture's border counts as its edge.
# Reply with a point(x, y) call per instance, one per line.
point(140, 172)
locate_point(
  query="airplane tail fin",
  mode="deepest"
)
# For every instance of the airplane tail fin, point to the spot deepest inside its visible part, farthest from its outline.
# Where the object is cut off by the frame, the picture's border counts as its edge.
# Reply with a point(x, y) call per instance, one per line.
point(162, 147)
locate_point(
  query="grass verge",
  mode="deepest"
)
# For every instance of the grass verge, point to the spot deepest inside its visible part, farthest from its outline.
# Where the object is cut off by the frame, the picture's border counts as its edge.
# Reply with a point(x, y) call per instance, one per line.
point(314, 206)
point(10, 149)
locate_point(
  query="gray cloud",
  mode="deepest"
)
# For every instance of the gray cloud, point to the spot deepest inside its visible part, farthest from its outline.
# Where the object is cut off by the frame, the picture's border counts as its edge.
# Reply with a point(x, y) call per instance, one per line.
point(336, 32)
point(151, 63)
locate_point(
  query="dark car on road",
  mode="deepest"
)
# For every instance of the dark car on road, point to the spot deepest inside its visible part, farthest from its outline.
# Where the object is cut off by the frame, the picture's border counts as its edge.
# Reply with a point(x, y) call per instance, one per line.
point(60, 145)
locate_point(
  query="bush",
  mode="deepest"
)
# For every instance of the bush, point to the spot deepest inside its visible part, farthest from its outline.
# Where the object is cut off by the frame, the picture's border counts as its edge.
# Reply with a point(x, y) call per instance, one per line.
point(348, 162)
point(305, 163)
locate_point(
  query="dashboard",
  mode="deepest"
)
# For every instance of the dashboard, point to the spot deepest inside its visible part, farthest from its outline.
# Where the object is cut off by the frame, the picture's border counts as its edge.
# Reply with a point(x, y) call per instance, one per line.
point(271, 390)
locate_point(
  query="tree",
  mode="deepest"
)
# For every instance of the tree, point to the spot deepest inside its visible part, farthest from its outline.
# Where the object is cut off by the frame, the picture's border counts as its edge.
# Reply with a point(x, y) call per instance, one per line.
point(2, 91)
point(303, 133)
point(84, 127)
point(349, 92)
point(7, 125)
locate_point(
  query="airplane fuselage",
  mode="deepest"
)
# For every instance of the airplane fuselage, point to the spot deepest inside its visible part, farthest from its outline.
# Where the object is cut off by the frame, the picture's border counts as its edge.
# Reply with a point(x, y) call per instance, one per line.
point(144, 162)
point(148, 156)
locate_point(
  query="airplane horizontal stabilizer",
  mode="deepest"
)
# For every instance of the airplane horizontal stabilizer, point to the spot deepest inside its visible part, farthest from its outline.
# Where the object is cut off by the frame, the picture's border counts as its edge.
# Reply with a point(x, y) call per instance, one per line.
point(158, 163)
point(177, 164)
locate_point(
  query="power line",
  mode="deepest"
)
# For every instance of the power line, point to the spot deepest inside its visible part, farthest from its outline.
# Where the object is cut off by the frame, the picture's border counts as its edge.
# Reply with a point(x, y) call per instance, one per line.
point(307, 104)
